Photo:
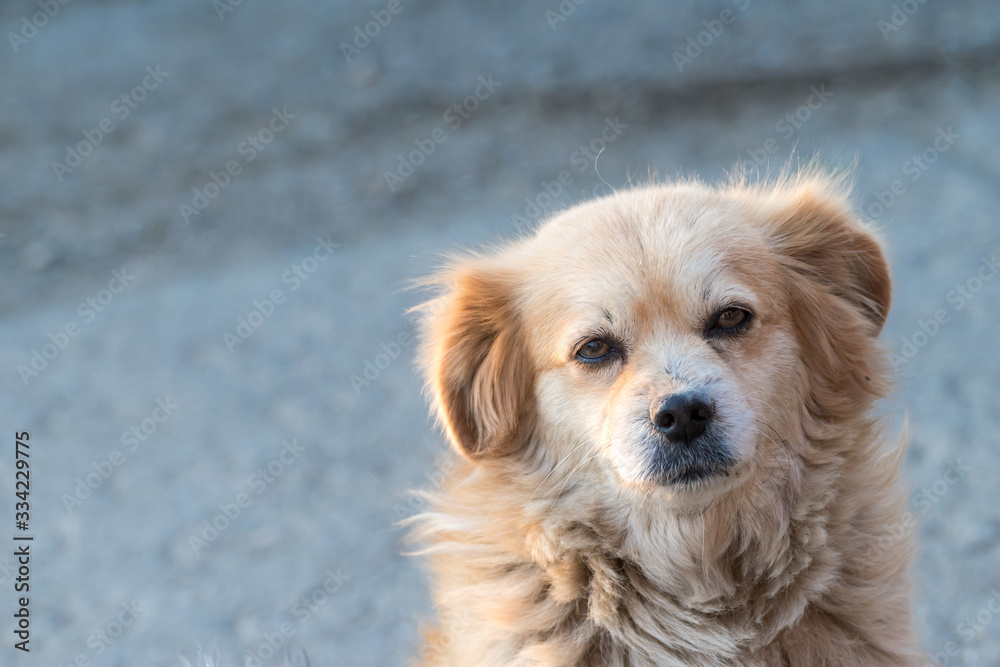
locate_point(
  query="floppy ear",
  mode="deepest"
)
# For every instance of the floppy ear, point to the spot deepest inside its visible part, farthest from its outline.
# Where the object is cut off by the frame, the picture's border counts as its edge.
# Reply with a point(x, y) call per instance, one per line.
point(839, 289)
point(478, 372)
point(820, 239)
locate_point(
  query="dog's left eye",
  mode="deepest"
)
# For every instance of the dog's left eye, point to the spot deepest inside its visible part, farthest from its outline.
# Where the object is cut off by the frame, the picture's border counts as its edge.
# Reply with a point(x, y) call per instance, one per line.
point(594, 350)
point(730, 320)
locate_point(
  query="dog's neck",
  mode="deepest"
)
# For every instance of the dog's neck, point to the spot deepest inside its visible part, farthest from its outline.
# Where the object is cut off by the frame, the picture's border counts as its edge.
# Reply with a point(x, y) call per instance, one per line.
point(738, 552)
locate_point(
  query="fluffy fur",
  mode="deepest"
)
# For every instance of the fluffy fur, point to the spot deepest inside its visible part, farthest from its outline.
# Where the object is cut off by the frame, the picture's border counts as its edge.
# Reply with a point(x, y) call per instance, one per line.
point(553, 541)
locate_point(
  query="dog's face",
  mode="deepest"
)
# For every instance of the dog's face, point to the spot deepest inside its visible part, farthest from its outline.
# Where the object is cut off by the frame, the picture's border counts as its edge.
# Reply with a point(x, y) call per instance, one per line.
point(659, 340)
point(664, 339)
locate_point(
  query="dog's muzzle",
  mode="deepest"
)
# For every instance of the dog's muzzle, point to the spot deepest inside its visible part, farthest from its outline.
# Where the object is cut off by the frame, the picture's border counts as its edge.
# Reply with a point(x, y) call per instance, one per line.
point(685, 441)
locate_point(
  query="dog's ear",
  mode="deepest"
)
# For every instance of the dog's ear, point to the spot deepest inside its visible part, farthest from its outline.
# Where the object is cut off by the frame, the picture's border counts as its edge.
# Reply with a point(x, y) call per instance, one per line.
point(819, 238)
point(478, 371)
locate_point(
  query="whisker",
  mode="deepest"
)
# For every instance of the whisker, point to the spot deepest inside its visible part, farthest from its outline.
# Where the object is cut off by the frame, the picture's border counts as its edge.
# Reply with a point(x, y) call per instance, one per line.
point(583, 441)
point(575, 468)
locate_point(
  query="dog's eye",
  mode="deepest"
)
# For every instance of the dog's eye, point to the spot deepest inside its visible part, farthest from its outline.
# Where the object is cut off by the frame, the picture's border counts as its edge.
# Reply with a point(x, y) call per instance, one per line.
point(594, 350)
point(730, 319)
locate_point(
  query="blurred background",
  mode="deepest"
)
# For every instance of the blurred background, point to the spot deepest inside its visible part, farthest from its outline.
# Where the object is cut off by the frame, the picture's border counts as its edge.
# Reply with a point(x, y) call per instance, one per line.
point(209, 210)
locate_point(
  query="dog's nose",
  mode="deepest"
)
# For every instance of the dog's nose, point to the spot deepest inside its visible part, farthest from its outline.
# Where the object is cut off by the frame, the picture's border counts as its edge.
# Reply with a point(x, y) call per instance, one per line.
point(682, 417)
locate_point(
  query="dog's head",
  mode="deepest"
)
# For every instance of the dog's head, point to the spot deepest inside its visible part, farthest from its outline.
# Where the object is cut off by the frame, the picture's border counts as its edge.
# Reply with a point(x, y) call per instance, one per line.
point(666, 338)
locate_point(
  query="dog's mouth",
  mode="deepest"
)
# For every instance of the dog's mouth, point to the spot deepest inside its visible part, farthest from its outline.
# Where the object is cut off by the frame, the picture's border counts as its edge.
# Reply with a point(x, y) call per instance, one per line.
point(691, 474)
point(702, 460)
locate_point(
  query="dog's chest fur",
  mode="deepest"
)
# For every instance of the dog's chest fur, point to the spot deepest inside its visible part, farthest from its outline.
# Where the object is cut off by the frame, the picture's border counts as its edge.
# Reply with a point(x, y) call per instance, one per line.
point(524, 577)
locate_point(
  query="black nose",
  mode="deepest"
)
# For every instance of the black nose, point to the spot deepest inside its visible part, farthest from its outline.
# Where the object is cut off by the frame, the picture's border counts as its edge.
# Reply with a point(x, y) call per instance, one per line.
point(682, 417)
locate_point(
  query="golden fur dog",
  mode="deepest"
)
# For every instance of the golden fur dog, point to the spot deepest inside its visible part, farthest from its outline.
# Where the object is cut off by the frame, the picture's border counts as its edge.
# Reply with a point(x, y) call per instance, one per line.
point(662, 405)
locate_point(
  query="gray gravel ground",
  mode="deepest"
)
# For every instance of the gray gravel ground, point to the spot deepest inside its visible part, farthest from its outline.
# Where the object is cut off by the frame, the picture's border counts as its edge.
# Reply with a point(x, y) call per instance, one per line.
point(313, 558)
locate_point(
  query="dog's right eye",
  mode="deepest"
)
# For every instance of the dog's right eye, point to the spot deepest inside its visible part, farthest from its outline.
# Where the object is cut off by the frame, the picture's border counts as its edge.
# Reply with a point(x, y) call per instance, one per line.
point(594, 350)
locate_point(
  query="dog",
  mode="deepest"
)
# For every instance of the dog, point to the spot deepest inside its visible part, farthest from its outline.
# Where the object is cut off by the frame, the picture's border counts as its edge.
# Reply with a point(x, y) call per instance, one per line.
point(661, 404)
